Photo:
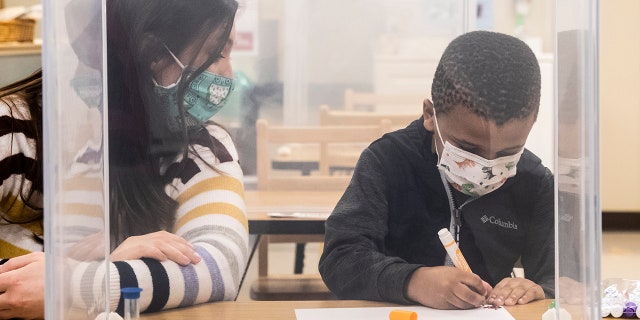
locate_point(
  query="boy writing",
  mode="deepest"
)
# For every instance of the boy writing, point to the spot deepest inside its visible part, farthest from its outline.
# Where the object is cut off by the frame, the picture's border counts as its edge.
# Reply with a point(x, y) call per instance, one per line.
point(463, 167)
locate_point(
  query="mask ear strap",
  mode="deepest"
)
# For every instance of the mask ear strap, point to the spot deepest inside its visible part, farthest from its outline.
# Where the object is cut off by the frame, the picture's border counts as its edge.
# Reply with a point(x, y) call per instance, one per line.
point(435, 120)
point(174, 57)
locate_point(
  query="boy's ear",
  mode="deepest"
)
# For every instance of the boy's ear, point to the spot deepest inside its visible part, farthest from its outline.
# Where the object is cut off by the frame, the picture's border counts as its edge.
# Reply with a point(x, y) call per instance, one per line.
point(428, 113)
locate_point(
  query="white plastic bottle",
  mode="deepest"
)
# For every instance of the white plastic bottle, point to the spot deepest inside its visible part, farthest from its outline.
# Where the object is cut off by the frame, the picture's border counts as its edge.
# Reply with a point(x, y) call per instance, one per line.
point(550, 314)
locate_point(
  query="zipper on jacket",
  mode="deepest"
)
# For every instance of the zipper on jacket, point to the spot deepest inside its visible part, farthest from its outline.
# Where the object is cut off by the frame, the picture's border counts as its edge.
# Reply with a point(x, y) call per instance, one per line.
point(456, 212)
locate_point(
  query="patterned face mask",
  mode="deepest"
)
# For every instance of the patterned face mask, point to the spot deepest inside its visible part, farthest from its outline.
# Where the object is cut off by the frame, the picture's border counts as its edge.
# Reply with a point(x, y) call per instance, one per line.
point(471, 174)
point(206, 95)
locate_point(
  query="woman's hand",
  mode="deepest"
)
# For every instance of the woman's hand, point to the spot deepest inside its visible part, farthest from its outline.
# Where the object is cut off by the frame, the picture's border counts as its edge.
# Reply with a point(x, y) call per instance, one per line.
point(447, 288)
point(22, 287)
point(511, 291)
point(90, 248)
point(160, 245)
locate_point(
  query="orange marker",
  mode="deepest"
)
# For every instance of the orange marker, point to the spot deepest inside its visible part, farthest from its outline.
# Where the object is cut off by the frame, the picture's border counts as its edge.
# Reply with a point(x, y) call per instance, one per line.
point(402, 315)
point(452, 249)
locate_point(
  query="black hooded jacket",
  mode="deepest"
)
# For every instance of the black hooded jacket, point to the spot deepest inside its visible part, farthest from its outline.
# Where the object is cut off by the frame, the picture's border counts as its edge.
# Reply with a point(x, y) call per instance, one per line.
point(385, 225)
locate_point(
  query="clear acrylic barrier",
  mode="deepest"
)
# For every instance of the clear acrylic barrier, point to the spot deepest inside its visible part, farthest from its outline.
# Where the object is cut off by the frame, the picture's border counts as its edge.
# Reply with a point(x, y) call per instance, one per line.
point(578, 214)
point(289, 74)
point(75, 181)
point(310, 53)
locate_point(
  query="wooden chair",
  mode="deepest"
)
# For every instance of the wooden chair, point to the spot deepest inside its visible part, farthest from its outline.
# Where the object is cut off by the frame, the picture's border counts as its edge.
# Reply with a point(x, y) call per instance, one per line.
point(369, 101)
point(329, 117)
point(302, 286)
point(326, 138)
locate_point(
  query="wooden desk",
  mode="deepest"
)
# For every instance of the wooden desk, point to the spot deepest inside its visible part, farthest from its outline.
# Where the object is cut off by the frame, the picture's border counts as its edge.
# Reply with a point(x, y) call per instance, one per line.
point(266, 201)
point(305, 157)
point(261, 223)
point(284, 310)
point(260, 203)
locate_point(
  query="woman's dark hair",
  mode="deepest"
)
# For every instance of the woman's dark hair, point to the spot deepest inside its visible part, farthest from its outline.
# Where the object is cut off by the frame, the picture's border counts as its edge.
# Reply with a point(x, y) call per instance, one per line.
point(29, 90)
point(137, 33)
point(495, 75)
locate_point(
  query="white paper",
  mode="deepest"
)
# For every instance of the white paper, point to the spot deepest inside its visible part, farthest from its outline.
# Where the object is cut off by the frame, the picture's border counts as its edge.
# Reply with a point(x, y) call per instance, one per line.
point(307, 215)
point(382, 313)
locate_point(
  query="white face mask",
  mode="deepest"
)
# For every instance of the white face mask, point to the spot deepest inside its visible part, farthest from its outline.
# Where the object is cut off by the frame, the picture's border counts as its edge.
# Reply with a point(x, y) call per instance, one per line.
point(472, 174)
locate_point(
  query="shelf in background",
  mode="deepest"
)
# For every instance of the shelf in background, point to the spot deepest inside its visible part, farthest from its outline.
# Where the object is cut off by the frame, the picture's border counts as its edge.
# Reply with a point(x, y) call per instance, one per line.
point(19, 48)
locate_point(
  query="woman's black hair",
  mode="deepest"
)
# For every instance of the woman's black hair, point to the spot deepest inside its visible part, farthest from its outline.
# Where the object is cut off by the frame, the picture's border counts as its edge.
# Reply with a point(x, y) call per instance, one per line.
point(137, 33)
point(29, 90)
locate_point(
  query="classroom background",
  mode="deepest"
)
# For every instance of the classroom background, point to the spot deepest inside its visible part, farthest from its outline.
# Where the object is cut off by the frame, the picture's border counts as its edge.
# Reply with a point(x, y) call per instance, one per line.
point(301, 64)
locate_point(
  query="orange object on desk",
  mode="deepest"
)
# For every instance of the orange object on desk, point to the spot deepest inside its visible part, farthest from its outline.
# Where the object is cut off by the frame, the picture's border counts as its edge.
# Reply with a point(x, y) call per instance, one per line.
point(403, 315)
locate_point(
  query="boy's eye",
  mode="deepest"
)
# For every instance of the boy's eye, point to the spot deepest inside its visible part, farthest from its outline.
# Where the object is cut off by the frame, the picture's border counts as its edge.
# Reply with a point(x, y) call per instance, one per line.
point(468, 148)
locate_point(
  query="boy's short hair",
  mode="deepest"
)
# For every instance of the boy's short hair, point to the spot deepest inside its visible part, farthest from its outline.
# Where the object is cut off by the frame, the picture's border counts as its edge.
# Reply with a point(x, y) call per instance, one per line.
point(497, 76)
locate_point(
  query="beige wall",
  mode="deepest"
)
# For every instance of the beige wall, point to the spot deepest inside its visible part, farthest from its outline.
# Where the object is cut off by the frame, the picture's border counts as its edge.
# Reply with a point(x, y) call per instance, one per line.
point(539, 22)
point(620, 105)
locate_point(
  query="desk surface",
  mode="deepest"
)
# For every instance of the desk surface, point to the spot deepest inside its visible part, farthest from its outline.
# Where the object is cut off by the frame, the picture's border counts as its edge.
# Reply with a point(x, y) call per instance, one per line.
point(267, 201)
point(284, 310)
point(306, 157)
point(261, 203)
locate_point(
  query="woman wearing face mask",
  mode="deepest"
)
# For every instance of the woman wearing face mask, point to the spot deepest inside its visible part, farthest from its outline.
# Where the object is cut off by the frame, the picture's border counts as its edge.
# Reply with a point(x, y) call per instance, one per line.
point(177, 217)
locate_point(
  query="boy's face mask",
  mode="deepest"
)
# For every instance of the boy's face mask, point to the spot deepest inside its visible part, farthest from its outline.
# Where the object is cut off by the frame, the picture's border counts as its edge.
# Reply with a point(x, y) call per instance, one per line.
point(205, 96)
point(471, 174)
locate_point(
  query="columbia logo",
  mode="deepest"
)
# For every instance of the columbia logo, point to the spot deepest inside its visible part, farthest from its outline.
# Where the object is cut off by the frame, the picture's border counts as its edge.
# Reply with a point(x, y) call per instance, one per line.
point(498, 222)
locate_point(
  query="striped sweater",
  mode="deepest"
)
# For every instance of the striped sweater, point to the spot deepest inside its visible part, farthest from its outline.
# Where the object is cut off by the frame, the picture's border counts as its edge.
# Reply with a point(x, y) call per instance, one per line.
point(211, 215)
point(17, 154)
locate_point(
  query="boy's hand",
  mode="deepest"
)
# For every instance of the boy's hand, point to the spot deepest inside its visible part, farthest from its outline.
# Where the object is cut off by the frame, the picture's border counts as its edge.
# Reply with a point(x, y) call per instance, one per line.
point(160, 245)
point(511, 291)
point(447, 288)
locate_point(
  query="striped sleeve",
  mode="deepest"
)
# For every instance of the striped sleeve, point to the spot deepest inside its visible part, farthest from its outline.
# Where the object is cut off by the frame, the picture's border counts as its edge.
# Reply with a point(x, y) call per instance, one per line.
point(17, 156)
point(211, 215)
